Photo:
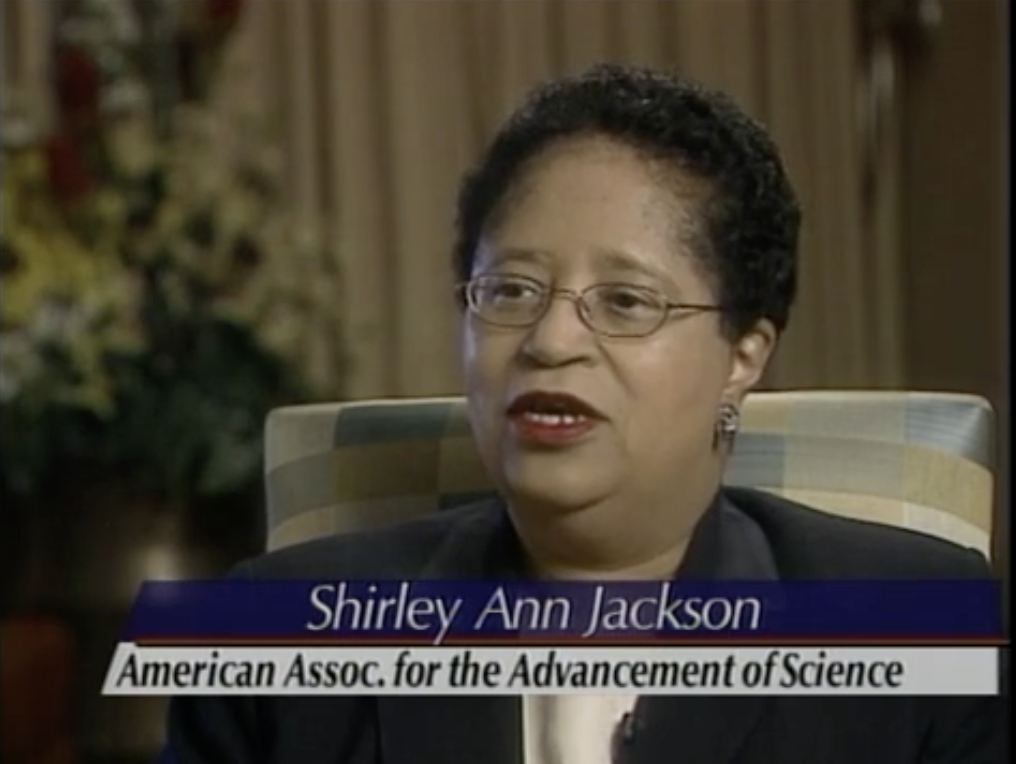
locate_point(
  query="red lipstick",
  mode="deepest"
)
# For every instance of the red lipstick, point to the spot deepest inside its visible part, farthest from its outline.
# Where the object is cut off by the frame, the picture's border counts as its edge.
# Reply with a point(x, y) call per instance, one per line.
point(552, 418)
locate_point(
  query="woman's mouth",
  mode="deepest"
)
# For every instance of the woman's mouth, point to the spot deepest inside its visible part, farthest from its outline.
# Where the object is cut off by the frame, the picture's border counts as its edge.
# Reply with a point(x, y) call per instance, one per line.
point(552, 418)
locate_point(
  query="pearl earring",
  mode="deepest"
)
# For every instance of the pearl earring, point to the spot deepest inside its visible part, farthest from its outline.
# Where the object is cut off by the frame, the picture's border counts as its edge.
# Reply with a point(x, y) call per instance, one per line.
point(728, 421)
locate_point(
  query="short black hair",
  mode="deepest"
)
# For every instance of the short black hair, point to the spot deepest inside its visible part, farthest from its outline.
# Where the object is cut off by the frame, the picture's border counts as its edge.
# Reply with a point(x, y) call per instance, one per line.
point(751, 215)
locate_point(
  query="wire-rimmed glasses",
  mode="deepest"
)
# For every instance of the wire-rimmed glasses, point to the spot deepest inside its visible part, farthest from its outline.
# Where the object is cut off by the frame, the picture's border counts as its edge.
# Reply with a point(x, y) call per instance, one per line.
point(611, 310)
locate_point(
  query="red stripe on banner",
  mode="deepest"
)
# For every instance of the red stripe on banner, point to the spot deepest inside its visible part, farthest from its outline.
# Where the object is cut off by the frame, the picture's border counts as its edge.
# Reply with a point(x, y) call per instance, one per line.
point(501, 641)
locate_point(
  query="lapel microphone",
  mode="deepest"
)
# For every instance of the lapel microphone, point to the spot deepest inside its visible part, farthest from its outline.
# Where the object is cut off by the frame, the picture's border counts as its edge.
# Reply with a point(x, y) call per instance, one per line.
point(622, 739)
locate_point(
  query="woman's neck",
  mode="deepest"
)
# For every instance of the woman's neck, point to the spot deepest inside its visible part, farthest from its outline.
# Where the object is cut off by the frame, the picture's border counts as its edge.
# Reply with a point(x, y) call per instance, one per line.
point(659, 567)
point(590, 543)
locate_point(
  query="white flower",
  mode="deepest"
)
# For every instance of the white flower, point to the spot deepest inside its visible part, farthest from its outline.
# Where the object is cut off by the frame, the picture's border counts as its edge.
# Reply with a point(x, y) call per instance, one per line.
point(126, 96)
point(123, 22)
point(133, 145)
point(56, 320)
point(17, 129)
point(82, 31)
point(20, 364)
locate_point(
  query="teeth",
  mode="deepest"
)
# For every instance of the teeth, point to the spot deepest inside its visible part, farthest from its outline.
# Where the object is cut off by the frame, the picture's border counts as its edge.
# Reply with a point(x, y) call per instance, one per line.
point(553, 420)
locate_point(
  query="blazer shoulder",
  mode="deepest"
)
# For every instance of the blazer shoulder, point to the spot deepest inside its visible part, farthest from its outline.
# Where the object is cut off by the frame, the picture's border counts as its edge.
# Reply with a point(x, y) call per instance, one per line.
point(813, 543)
point(395, 551)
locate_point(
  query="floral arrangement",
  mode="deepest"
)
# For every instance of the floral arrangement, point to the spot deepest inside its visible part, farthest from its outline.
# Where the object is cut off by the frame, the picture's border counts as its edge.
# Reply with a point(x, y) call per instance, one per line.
point(153, 294)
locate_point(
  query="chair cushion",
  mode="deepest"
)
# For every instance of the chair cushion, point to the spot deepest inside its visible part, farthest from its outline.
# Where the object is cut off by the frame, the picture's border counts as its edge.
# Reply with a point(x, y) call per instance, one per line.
point(919, 460)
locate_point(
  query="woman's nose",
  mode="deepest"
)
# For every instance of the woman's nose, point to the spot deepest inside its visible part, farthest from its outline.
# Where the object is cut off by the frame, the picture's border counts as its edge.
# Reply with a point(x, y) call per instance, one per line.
point(561, 334)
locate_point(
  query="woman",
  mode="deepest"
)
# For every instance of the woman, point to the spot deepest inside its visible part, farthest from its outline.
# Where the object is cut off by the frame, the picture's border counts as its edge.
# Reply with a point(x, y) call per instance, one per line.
point(627, 256)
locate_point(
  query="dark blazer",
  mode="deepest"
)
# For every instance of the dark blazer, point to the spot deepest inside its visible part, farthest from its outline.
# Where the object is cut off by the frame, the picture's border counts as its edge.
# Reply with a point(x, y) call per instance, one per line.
point(745, 535)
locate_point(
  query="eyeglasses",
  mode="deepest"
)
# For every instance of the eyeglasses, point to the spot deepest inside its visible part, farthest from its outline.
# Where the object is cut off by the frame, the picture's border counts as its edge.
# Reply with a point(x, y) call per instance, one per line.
point(610, 310)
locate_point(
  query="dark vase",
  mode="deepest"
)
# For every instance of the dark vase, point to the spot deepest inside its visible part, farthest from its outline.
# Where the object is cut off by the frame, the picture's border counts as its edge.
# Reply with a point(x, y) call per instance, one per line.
point(87, 559)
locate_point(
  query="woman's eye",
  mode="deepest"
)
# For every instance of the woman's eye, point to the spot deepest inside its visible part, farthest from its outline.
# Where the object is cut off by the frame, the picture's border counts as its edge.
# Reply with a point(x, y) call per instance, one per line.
point(629, 300)
point(512, 291)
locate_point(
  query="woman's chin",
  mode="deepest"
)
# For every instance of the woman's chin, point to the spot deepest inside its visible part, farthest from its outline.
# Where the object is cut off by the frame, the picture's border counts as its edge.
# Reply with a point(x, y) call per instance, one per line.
point(555, 492)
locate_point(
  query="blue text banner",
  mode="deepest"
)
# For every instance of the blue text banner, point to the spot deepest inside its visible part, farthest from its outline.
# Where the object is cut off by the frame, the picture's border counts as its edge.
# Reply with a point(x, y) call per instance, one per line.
point(441, 612)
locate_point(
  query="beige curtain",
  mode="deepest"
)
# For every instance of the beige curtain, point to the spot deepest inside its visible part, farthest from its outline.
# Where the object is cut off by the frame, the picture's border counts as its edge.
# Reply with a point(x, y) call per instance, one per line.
point(24, 54)
point(380, 106)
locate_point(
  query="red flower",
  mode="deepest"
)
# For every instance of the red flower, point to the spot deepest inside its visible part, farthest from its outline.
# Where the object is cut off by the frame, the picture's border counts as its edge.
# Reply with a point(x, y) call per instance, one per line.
point(78, 85)
point(70, 178)
point(222, 14)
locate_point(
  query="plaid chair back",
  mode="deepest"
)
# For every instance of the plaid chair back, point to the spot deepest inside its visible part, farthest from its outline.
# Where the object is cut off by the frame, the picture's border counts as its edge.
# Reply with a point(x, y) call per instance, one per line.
point(917, 460)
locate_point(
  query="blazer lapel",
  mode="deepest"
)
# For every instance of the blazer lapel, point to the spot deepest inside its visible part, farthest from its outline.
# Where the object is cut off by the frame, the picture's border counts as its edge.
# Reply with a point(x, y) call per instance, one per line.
point(727, 545)
point(453, 729)
point(450, 730)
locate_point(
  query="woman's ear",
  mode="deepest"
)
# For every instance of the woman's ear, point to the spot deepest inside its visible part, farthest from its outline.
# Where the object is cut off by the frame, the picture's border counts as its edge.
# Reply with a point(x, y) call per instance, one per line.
point(749, 357)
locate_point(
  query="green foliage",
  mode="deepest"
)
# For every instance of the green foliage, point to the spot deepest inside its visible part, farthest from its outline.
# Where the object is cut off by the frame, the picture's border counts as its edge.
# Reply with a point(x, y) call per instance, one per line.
point(153, 291)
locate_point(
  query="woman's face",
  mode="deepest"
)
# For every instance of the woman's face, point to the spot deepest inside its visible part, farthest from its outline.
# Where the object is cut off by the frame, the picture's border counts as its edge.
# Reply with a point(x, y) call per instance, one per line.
point(567, 419)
